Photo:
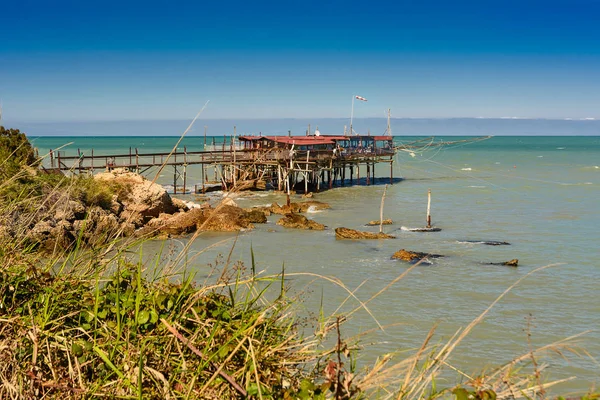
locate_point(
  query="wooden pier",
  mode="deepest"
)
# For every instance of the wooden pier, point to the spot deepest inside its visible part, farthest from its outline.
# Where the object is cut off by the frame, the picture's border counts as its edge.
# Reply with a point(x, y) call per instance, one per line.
point(308, 163)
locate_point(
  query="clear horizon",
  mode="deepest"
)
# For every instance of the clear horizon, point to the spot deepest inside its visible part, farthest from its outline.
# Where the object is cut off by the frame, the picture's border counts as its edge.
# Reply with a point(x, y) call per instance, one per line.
point(75, 61)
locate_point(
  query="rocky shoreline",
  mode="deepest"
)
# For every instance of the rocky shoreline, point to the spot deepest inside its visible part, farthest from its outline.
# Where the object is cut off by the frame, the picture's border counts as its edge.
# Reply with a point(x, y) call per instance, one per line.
point(141, 208)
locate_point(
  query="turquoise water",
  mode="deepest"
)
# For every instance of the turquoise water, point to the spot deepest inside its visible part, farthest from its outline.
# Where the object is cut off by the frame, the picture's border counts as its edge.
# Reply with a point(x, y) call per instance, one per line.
point(538, 193)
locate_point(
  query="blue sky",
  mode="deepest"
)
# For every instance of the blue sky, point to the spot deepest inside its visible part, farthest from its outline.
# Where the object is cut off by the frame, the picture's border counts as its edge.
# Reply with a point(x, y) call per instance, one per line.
point(108, 60)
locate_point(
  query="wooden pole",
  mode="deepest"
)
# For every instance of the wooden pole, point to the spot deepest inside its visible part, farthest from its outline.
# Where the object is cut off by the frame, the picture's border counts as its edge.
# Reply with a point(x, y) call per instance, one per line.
point(391, 172)
point(429, 208)
point(381, 210)
point(234, 158)
point(174, 179)
point(184, 177)
point(205, 127)
point(51, 158)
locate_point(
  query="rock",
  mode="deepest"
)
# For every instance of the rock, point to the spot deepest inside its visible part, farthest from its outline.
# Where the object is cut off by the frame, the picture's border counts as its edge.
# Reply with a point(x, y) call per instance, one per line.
point(41, 231)
point(299, 221)
point(69, 210)
point(132, 217)
point(180, 204)
point(127, 228)
point(61, 236)
point(486, 242)
point(299, 207)
point(308, 195)
point(139, 194)
point(182, 223)
point(413, 256)
point(115, 206)
point(512, 263)
point(265, 210)
point(312, 205)
point(256, 216)
point(376, 222)
point(227, 201)
point(224, 218)
point(346, 233)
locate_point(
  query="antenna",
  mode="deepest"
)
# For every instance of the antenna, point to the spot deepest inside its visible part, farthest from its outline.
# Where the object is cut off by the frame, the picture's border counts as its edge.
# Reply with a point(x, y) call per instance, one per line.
point(389, 126)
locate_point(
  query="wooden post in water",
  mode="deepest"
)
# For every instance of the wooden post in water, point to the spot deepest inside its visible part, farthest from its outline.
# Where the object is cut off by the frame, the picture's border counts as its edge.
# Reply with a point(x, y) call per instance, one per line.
point(174, 179)
point(351, 173)
point(184, 168)
point(205, 127)
point(368, 173)
point(429, 208)
point(381, 210)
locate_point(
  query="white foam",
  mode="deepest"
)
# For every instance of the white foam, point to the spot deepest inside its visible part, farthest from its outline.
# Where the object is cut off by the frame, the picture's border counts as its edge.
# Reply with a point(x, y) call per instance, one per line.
point(313, 210)
point(466, 169)
point(560, 148)
point(476, 186)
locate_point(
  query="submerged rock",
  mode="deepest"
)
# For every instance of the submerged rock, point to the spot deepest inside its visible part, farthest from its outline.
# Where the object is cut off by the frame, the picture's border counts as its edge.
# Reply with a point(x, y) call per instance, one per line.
point(413, 256)
point(512, 263)
point(377, 222)
point(299, 221)
point(485, 242)
point(347, 233)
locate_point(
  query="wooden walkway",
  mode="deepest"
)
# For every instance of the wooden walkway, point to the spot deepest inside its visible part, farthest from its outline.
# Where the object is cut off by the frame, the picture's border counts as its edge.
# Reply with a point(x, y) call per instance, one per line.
point(239, 167)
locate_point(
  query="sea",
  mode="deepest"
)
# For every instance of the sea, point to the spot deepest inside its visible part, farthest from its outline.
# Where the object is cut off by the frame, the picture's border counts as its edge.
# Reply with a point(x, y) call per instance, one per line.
point(538, 193)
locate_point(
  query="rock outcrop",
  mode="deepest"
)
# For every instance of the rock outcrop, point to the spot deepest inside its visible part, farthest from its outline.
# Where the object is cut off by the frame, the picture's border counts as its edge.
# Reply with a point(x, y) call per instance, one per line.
point(299, 221)
point(347, 233)
point(141, 199)
point(310, 205)
point(413, 256)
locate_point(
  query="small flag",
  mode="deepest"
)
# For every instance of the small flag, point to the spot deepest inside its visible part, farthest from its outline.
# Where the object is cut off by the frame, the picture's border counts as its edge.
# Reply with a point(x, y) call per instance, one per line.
point(360, 98)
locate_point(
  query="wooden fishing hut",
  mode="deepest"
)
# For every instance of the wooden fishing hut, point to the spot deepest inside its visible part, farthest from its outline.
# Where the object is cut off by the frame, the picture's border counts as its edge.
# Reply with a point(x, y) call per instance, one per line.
point(314, 160)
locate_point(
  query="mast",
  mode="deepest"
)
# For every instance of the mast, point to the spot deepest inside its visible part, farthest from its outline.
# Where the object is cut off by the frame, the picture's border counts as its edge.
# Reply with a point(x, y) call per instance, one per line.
point(389, 126)
point(352, 114)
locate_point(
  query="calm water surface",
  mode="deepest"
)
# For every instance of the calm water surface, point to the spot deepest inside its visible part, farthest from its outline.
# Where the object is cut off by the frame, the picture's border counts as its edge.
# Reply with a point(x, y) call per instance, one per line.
point(538, 193)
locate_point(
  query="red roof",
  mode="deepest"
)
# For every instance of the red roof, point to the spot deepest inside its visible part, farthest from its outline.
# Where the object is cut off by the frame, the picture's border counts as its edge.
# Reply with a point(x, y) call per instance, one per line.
point(308, 140)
